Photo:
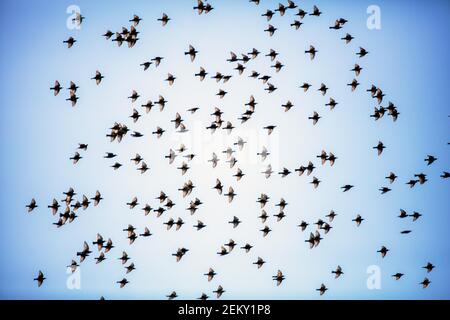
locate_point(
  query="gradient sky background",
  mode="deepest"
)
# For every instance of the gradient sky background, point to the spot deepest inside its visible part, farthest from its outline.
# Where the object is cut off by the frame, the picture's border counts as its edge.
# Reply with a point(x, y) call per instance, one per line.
point(39, 132)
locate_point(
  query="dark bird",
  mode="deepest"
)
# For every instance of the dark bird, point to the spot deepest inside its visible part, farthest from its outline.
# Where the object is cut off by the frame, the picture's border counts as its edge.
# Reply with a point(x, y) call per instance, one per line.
point(170, 79)
point(270, 88)
point(303, 225)
point(99, 242)
point(54, 206)
point(315, 118)
point(98, 77)
point(312, 52)
point(268, 14)
point(412, 183)
point(272, 54)
point(415, 215)
point(32, 205)
point(284, 173)
point(362, 52)
point(159, 132)
point(133, 203)
point(240, 68)
point(383, 251)
point(72, 87)
point(203, 297)
point(143, 168)
point(231, 244)
point(296, 24)
point(384, 190)
point(316, 12)
point(211, 273)
point(354, 84)
point(332, 158)
point(322, 289)
point(191, 52)
point(265, 231)
point(278, 66)
point(422, 177)
point(260, 262)
point(202, 74)
point(337, 25)
point(56, 88)
point(218, 186)
point(358, 220)
point(356, 69)
point(180, 253)
point(172, 296)
point(130, 268)
point(108, 246)
point(97, 198)
point(348, 38)
point(146, 65)
point(430, 159)
point(403, 214)
point(323, 88)
point(40, 278)
point(280, 216)
point(146, 233)
point(331, 215)
point(281, 9)
point(76, 158)
point(425, 283)
point(100, 258)
point(315, 182)
point(397, 275)
point(83, 254)
point(135, 20)
point(391, 177)
point(230, 194)
point(254, 53)
point(108, 34)
point(164, 19)
point(270, 29)
point(338, 272)
point(279, 277)
point(380, 147)
point(221, 93)
point(235, 222)
point(157, 60)
point(223, 251)
point(123, 282)
point(73, 266)
point(70, 42)
point(301, 13)
point(239, 174)
point(78, 18)
point(429, 266)
point(82, 146)
point(264, 78)
point(170, 223)
point(305, 86)
point(73, 99)
point(200, 225)
point(219, 292)
point(134, 96)
point(247, 248)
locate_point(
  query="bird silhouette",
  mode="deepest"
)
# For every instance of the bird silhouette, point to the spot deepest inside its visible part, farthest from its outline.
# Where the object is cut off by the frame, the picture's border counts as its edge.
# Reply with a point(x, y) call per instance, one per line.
point(164, 19)
point(40, 278)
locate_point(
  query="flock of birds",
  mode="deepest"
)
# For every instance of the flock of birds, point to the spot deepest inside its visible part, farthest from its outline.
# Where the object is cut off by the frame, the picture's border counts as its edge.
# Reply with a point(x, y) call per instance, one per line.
point(119, 131)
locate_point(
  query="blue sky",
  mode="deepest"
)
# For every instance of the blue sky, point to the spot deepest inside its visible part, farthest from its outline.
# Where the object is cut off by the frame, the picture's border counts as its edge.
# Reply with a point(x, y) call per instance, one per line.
point(408, 60)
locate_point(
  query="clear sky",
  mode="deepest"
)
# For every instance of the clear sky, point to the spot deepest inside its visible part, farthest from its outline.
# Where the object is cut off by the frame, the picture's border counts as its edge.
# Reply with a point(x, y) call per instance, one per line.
point(408, 59)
